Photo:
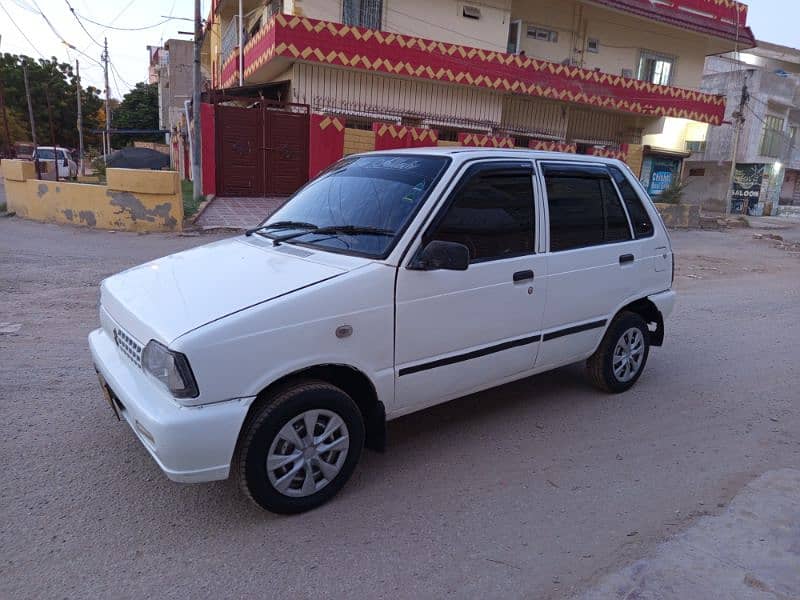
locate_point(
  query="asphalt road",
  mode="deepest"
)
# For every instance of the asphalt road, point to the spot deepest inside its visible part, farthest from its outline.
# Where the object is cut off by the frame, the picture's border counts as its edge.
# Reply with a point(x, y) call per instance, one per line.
point(536, 489)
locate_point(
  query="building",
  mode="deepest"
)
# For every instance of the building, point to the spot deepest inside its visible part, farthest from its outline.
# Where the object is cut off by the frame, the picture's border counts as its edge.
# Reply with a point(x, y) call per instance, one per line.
point(612, 77)
point(171, 69)
point(768, 150)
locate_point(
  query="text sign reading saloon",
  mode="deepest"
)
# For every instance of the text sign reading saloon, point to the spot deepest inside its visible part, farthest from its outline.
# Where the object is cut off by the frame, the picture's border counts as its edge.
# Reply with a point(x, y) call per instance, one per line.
point(746, 186)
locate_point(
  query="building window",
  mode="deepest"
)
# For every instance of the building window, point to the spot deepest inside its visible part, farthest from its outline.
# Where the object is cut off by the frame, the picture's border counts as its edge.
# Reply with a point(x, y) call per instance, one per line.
point(363, 13)
point(656, 68)
point(695, 146)
point(514, 29)
point(772, 139)
point(593, 45)
point(699, 172)
point(542, 34)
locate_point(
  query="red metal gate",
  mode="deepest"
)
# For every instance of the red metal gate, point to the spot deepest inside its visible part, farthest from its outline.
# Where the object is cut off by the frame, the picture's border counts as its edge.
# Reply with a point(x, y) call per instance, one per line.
point(263, 150)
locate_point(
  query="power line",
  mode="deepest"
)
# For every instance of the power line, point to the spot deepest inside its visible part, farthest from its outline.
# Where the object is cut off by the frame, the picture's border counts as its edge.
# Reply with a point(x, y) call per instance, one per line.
point(129, 28)
point(27, 39)
point(74, 14)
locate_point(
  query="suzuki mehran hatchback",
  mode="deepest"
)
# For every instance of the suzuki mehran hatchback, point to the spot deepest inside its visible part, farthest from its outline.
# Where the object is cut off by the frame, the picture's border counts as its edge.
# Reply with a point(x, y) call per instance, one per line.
point(393, 282)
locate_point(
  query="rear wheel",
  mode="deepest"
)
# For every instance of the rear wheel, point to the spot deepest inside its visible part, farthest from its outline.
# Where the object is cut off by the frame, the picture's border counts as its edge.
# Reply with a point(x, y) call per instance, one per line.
point(300, 448)
point(620, 359)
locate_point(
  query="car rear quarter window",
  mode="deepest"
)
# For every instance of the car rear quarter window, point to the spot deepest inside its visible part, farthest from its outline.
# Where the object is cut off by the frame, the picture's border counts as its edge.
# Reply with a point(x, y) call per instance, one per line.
point(491, 213)
point(585, 209)
point(642, 225)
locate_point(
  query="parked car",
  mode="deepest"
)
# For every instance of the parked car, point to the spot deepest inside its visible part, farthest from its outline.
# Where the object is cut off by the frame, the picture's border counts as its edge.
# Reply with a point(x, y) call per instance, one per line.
point(67, 167)
point(393, 282)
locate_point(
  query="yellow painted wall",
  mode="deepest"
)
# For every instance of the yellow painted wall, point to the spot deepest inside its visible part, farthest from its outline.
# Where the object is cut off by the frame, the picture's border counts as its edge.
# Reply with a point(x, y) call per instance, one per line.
point(132, 201)
point(358, 140)
point(635, 157)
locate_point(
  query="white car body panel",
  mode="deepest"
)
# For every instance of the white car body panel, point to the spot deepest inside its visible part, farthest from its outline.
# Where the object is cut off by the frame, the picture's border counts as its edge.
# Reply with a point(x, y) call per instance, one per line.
point(247, 313)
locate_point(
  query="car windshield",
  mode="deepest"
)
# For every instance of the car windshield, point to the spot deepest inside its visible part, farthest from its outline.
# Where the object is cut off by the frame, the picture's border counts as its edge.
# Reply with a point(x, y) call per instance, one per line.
point(359, 206)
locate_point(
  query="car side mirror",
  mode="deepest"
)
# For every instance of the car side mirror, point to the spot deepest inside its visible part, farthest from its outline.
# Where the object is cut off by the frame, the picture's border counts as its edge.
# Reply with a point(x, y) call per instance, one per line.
point(451, 256)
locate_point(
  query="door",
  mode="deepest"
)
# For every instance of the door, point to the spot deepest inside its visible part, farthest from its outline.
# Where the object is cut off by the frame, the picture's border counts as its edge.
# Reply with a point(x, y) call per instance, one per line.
point(240, 159)
point(591, 263)
point(285, 151)
point(461, 331)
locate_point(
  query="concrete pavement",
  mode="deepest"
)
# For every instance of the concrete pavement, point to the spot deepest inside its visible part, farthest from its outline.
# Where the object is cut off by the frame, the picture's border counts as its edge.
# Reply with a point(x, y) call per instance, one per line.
point(535, 490)
point(750, 551)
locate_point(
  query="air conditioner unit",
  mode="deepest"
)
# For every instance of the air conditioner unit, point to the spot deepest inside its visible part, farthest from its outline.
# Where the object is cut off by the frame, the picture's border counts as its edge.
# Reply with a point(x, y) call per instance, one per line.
point(471, 12)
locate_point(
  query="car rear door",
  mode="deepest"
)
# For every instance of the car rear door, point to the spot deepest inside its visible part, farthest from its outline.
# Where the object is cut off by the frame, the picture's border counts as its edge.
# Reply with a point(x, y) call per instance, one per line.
point(460, 331)
point(591, 262)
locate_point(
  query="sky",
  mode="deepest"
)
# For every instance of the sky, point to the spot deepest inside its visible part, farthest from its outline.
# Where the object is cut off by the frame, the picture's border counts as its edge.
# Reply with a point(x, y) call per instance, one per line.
point(771, 20)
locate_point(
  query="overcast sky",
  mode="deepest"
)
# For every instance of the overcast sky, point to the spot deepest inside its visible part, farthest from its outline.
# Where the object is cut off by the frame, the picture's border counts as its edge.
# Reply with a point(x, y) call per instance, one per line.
point(775, 21)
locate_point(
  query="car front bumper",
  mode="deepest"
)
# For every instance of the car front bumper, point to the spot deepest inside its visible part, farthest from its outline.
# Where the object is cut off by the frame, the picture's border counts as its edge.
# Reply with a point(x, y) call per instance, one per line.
point(190, 444)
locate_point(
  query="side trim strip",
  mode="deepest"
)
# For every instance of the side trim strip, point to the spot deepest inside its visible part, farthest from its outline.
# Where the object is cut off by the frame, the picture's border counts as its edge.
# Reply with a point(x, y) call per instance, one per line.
point(576, 329)
point(470, 355)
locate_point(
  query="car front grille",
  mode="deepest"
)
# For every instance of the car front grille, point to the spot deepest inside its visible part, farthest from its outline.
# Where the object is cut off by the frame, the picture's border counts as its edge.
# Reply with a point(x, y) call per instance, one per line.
point(129, 346)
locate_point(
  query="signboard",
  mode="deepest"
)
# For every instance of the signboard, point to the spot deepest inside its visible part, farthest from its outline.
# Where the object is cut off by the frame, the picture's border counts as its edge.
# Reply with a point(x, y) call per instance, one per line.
point(658, 173)
point(747, 180)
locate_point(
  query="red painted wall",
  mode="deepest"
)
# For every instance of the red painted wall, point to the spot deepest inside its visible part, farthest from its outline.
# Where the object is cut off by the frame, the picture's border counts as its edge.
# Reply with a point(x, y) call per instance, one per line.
point(325, 143)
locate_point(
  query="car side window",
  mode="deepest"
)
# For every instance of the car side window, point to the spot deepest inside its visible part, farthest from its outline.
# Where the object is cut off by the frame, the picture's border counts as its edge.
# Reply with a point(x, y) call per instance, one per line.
point(585, 209)
point(491, 213)
point(642, 225)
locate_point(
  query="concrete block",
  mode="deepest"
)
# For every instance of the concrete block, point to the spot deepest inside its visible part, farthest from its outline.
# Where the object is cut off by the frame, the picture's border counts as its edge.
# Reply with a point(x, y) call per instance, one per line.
point(143, 181)
point(18, 170)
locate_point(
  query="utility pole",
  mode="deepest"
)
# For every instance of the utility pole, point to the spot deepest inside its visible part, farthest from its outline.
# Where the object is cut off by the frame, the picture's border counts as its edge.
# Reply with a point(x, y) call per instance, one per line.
point(241, 47)
point(52, 131)
point(30, 118)
point(81, 168)
point(738, 121)
point(196, 84)
point(5, 117)
point(107, 142)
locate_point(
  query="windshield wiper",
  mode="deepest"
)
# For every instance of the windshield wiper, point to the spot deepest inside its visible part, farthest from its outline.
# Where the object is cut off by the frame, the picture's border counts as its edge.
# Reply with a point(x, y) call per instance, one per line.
point(281, 225)
point(336, 229)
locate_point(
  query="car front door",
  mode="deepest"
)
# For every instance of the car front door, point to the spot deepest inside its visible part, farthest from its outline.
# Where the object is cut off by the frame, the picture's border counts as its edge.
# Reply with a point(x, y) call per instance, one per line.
point(461, 331)
point(591, 263)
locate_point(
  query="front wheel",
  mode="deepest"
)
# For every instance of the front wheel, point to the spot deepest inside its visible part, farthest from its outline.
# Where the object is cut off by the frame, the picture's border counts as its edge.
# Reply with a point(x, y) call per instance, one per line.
point(620, 359)
point(300, 448)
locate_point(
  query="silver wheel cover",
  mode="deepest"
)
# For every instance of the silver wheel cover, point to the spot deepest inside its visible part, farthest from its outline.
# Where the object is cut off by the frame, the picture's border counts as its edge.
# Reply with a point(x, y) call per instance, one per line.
point(628, 355)
point(308, 453)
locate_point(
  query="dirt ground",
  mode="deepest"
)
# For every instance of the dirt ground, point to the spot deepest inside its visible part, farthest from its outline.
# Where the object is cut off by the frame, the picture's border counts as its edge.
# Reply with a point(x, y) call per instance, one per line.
point(536, 489)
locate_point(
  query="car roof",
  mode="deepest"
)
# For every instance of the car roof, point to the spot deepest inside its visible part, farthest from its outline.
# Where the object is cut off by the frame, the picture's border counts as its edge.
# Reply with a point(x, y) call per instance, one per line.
point(471, 153)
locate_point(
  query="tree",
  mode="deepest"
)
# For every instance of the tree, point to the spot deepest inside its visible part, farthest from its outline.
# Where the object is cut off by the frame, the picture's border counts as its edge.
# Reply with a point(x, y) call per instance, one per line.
point(56, 80)
point(138, 110)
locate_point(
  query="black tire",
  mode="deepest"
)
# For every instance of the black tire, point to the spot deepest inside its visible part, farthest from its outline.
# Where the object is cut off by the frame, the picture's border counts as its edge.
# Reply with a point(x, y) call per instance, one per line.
point(600, 365)
point(262, 428)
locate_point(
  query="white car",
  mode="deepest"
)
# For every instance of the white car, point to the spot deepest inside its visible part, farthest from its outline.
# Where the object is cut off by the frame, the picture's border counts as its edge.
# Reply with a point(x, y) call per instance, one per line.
point(393, 282)
point(67, 168)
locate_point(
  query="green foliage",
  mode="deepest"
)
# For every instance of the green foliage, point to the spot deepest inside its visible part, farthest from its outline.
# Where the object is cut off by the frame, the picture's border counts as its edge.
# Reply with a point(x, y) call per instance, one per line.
point(138, 110)
point(674, 193)
point(56, 80)
point(189, 205)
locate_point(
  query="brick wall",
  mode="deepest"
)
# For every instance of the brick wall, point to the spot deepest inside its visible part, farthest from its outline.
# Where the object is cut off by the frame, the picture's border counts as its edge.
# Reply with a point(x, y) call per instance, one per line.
point(635, 156)
point(358, 140)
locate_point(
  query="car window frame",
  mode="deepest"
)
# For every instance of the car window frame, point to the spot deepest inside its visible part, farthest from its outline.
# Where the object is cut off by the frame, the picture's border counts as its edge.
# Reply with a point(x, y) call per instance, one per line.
point(460, 180)
point(540, 168)
point(643, 202)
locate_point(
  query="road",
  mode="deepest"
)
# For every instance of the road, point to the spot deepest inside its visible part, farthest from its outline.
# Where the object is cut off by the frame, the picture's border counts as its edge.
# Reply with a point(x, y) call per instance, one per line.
point(535, 490)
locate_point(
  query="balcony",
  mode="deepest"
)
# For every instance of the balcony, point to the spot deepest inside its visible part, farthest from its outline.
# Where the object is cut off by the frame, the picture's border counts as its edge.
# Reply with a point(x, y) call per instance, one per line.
point(285, 39)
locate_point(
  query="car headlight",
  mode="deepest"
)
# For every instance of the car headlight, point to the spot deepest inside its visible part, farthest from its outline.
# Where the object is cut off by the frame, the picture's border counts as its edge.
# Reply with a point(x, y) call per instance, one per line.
point(171, 369)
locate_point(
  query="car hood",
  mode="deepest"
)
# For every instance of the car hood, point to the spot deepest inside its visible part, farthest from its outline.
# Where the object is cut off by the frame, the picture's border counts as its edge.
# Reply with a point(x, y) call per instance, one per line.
point(170, 296)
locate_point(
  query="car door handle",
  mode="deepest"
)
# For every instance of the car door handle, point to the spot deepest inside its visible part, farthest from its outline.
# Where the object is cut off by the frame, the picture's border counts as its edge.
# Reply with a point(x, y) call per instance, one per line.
point(523, 276)
point(626, 258)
